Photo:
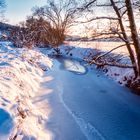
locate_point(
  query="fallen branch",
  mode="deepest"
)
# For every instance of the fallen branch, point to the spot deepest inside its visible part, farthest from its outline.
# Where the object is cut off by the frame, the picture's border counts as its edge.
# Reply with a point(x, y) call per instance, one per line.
point(109, 64)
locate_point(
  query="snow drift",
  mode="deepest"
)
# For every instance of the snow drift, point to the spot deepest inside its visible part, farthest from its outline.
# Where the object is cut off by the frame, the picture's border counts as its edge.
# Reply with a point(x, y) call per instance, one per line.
point(21, 72)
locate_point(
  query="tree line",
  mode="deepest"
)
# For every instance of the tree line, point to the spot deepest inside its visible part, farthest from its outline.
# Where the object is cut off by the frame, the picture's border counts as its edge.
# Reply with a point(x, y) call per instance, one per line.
point(125, 14)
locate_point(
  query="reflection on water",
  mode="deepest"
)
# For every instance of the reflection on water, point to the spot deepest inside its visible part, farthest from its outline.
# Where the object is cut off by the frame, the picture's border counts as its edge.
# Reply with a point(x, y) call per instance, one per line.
point(72, 65)
point(90, 106)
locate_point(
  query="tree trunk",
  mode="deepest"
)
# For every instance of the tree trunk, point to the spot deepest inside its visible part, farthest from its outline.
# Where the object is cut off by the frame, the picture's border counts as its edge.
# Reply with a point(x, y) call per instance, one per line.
point(134, 32)
point(131, 53)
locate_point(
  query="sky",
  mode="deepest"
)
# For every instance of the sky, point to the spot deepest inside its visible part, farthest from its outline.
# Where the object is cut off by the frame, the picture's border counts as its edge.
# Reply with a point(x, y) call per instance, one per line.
point(18, 10)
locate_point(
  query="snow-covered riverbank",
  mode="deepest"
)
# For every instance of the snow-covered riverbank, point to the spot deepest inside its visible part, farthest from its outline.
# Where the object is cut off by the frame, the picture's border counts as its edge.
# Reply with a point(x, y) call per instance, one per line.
point(120, 75)
point(21, 72)
point(22, 114)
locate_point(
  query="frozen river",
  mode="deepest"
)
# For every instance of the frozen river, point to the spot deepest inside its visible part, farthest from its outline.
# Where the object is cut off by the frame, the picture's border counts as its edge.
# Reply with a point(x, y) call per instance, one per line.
point(86, 105)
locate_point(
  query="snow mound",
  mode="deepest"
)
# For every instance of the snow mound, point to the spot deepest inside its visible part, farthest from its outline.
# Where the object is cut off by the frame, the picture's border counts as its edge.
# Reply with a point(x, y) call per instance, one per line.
point(21, 72)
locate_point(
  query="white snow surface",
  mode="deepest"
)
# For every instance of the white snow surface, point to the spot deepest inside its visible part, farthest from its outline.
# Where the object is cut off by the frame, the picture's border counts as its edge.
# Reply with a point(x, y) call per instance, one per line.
point(21, 72)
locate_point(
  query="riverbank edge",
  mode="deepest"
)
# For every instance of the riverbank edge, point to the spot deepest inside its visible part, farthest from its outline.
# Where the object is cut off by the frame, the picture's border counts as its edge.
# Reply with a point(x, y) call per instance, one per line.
point(123, 76)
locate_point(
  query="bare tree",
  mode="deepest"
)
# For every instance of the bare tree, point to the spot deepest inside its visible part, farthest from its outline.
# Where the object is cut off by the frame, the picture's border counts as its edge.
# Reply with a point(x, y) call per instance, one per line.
point(134, 33)
point(22, 36)
point(59, 16)
point(37, 28)
point(123, 13)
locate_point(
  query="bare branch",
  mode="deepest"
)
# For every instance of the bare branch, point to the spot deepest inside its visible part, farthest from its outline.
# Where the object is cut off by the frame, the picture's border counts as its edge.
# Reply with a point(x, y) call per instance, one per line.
point(115, 64)
point(102, 55)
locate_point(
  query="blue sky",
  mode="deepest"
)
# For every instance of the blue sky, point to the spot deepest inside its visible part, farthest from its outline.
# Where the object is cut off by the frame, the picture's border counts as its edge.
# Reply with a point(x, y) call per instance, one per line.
point(17, 10)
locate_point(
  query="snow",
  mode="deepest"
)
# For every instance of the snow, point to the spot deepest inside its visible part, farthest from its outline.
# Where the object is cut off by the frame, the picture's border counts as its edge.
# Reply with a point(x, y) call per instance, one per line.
point(20, 78)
